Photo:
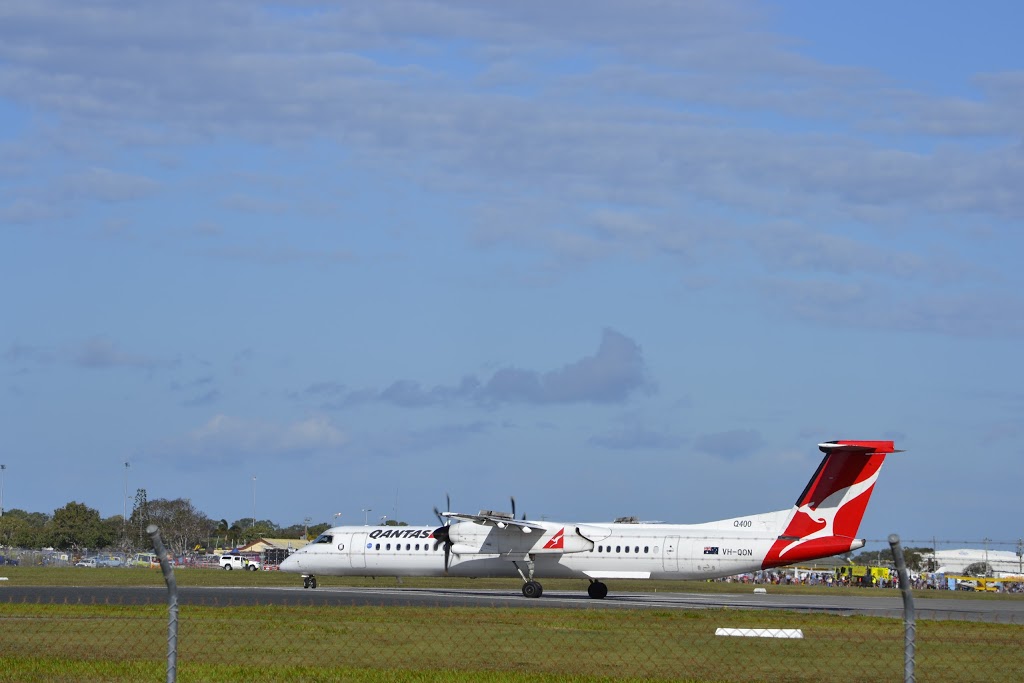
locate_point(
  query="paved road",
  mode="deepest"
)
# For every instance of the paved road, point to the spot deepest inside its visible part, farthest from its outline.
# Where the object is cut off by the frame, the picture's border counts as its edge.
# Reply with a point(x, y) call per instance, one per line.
point(1004, 611)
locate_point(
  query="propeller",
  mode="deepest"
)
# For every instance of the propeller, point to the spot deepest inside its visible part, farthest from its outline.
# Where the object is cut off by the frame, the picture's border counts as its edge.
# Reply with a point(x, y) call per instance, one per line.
point(441, 533)
point(513, 499)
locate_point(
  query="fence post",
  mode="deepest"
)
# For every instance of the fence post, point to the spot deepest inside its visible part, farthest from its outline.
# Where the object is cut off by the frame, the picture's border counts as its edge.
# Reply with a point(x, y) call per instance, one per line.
point(909, 619)
point(172, 602)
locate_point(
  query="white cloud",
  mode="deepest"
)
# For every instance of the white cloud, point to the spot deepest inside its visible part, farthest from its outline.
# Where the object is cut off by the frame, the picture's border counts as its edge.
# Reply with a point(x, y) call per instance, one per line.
point(225, 435)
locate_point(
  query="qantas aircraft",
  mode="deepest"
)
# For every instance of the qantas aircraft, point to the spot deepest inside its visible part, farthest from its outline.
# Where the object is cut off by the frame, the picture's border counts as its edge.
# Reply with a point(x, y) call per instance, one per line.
point(823, 522)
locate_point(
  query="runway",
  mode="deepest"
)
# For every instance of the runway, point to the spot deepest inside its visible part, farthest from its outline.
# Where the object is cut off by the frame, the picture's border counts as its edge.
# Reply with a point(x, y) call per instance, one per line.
point(990, 610)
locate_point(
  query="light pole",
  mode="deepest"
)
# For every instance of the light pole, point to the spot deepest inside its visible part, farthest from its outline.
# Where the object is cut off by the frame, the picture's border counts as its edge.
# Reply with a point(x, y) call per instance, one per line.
point(124, 501)
point(366, 511)
point(254, 500)
point(3, 468)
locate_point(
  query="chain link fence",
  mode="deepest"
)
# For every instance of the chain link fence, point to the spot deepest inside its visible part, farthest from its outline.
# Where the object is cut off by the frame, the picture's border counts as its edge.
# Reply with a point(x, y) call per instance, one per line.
point(100, 639)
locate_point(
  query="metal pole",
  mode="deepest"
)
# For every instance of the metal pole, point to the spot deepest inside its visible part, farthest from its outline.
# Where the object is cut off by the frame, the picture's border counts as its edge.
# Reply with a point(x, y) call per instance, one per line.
point(254, 500)
point(172, 602)
point(3, 469)
point(124, 502)
point(909, 618)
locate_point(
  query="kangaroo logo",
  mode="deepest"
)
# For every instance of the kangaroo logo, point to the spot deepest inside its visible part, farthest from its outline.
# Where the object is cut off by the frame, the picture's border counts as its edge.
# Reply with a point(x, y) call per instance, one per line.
point(557, 542)
point(825, 513)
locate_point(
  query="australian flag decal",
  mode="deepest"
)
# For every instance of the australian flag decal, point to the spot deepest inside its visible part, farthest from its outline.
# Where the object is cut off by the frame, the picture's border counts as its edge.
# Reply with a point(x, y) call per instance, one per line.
point(711, 550)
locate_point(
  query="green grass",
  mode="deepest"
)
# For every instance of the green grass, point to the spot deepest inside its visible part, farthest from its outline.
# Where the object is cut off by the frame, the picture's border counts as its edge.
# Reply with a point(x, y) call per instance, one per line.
point(308, 643)
point(302, 642)
point(291, 643)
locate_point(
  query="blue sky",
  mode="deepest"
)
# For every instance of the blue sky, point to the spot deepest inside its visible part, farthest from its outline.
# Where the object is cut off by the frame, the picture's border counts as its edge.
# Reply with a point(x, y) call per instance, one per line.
point(613, 258)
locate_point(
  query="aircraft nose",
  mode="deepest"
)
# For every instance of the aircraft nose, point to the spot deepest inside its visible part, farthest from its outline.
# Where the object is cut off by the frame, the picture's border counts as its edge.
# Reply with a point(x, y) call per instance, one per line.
point(290, 564)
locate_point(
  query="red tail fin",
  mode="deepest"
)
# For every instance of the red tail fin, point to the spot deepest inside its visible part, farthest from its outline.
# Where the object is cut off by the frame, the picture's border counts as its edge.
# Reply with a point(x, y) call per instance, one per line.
point(828, 513)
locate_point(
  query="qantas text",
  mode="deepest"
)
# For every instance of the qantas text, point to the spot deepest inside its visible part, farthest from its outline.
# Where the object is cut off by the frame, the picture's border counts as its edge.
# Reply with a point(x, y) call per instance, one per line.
point(401, 533)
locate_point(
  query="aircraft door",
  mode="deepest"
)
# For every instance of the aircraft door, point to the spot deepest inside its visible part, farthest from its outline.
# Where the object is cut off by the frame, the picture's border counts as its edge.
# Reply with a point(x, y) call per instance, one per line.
point(670, 553)
point(357, 551)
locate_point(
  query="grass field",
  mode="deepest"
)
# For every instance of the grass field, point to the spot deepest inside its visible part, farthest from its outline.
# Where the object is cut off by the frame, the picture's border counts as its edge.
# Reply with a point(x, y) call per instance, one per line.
point(72, 576)
point(44, 642)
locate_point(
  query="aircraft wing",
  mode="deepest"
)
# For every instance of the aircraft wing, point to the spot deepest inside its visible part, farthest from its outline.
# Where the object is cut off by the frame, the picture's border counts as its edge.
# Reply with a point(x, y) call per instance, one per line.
point(499, 520)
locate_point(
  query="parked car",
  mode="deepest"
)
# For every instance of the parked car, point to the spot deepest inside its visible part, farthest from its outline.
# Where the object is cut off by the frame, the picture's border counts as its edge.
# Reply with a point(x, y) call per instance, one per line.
point(86, 562)
point(146, 560)
point(230, 562)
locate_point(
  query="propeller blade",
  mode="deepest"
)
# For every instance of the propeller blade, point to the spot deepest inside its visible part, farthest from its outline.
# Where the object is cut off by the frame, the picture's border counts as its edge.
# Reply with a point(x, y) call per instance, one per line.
point(441, 536)
point(513, 499)
point(441, 533)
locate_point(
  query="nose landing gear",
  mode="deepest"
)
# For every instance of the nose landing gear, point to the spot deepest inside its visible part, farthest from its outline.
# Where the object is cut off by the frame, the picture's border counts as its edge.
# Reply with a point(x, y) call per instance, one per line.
point(308, 581)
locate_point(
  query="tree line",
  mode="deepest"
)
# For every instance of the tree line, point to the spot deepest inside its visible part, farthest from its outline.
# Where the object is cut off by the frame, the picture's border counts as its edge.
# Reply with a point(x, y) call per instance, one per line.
point(183, 527)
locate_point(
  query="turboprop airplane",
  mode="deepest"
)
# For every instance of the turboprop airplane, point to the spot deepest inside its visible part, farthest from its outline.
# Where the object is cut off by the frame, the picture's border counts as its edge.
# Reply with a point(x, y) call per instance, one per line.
point(823, 522)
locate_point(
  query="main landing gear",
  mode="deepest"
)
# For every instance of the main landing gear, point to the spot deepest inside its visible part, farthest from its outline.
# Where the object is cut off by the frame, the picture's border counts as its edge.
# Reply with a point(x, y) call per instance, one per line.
point(308, 581)
point(531, 588)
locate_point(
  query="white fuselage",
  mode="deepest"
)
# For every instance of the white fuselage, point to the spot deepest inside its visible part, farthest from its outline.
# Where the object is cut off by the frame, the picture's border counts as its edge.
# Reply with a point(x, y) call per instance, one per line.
point(594, 551)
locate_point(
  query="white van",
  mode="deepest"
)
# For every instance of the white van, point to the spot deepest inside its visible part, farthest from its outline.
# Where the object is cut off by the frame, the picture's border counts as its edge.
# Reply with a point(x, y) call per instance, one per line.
point(230, 562)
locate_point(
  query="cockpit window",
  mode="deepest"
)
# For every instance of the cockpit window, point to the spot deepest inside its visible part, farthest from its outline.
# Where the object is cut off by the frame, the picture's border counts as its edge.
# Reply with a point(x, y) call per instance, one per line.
point(324, 538)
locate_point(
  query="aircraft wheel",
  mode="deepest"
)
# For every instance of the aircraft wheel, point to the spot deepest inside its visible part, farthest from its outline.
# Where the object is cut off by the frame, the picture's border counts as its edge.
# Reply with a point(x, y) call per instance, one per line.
point(312, 582)
point(305, 582)
point(532, 589)
point(597, 590)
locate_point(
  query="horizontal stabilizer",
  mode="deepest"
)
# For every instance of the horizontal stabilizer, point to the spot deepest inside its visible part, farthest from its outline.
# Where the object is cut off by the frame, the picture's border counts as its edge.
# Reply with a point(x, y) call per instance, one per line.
point(862, 447)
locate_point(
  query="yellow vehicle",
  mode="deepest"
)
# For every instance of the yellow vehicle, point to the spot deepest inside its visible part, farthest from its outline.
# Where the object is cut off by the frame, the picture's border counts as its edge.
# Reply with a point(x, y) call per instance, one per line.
point(148, 560)
point(974, 583)
point(862, 575)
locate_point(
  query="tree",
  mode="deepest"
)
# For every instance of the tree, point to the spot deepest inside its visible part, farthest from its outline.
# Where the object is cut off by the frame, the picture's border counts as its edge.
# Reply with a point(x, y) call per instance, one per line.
point(182, 526)
point(248, 532)
point(76, 526)
point(293, 531)
point(23, 529)
point(139, 521)
point(978, 569)
point(316, 530)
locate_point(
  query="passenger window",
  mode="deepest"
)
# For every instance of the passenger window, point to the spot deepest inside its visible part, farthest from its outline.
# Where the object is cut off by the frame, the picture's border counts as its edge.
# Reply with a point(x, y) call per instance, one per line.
point(647, 549)
point(387, 547)
point(417, 546)
point(636, 549)
point(618, 548)
point(627, 548)
point(378, 547)
point(408, 546)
